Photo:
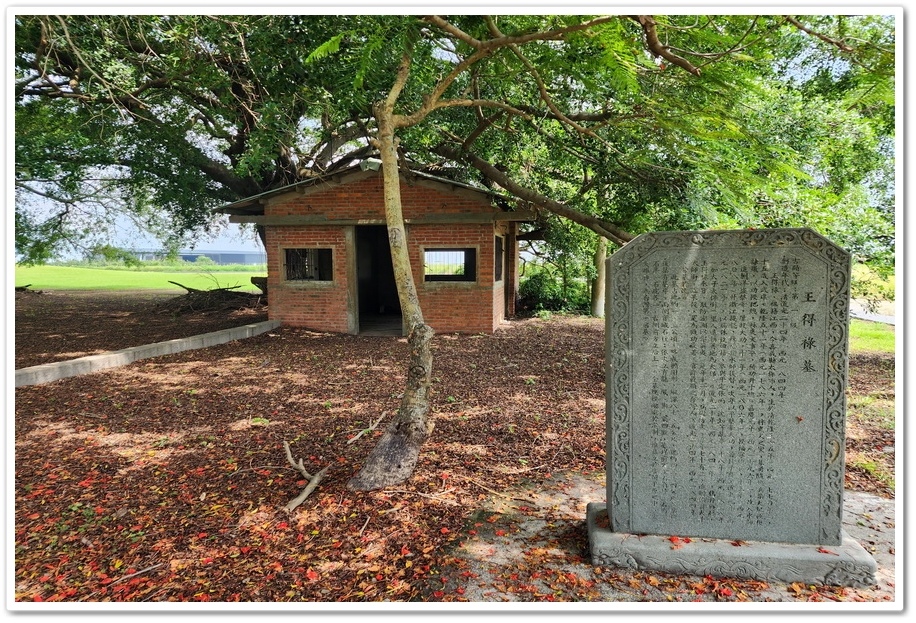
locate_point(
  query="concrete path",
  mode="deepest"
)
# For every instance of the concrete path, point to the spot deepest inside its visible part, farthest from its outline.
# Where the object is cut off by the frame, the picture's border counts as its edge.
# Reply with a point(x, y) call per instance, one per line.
point(547, 520)
point(47, 372)
point(858, 310)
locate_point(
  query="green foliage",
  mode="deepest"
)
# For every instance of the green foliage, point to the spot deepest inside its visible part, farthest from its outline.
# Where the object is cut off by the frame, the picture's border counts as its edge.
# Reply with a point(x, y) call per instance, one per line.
point(105, 253)
point(873, 284)
point(179, 114)
point(540, 291)
point(545, 291)
point(331, 46)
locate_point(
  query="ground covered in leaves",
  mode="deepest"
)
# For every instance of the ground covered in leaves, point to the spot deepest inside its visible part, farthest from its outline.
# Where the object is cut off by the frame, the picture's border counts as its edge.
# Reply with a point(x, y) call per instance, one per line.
point(56, 326)
point(165, 480)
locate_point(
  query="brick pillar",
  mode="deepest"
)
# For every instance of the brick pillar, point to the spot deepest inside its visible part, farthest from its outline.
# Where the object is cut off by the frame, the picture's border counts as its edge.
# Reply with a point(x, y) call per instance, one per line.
point(511, 277)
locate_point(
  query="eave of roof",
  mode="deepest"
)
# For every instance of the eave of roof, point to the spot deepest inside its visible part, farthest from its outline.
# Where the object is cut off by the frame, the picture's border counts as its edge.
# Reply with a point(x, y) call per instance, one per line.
point(254, 205)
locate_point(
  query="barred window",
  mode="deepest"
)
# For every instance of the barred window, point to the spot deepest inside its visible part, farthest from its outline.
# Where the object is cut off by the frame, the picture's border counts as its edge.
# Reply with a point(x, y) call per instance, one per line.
point(450, 264)
point(499, 260)
point(309, 265)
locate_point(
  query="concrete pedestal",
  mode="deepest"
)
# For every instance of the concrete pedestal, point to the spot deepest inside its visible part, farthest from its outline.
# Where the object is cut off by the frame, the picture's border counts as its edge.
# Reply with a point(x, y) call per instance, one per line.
point(847, 564)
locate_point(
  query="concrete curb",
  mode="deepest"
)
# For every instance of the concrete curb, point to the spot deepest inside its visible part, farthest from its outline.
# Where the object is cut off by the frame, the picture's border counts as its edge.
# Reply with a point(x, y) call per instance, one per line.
point(47, 372)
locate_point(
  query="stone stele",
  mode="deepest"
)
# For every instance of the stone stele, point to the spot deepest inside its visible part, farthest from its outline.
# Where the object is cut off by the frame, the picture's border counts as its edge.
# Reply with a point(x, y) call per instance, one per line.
point(726, 374)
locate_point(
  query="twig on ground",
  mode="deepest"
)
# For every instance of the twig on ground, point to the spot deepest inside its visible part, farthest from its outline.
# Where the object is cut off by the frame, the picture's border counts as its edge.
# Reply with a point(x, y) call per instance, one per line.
point(372, 427)
point(502, 495)
point(435, 498)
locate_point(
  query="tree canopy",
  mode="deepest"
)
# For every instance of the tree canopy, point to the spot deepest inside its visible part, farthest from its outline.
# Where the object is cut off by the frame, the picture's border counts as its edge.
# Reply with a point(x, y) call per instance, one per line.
point(621, 123)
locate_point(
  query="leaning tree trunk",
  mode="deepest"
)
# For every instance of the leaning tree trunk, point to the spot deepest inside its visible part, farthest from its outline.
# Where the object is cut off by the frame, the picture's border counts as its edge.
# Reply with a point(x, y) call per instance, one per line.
point(598, 283)
point(395, 456)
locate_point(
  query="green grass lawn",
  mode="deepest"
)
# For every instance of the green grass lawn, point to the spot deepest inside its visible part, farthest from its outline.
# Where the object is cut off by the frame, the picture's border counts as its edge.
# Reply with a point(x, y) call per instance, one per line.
point(73, 278)
point(871, 337)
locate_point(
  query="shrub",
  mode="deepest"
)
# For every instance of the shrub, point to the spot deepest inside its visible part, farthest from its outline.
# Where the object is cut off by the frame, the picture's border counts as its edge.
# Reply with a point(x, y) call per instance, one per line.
point(542, 291)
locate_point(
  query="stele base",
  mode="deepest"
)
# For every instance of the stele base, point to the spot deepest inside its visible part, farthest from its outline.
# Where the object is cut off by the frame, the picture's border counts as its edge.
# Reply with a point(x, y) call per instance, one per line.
point(847, 564)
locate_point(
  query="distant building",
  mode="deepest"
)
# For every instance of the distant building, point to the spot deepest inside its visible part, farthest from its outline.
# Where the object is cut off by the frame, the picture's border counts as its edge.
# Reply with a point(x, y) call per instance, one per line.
point(226, 257)
point(220, 257)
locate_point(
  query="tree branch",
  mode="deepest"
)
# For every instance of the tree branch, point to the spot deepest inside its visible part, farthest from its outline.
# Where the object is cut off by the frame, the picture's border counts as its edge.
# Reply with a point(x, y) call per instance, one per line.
point(842, 45)
point(128, 102)
point(658, 48)
point(482, 126)
point(507, 40)
point(603, 228)
point(482, 50)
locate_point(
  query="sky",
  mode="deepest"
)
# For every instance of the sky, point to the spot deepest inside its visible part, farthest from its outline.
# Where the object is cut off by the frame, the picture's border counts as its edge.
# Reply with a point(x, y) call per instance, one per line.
point(233, 237)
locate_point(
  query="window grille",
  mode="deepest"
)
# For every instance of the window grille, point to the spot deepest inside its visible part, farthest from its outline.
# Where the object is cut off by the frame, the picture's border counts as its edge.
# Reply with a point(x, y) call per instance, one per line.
point(450, 264)
point(309, 265)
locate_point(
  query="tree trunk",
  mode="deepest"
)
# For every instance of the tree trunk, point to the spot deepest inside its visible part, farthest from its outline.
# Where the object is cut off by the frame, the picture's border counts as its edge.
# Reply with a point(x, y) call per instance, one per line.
point(393, 460)
point(598, 283)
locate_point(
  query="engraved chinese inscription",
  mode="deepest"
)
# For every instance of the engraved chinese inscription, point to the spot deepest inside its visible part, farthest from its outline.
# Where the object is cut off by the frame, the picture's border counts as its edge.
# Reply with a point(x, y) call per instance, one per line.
point(726, 386)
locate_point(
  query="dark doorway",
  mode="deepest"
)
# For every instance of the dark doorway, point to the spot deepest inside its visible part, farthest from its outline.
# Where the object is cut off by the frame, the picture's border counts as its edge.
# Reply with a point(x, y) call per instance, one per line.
point(379, 307)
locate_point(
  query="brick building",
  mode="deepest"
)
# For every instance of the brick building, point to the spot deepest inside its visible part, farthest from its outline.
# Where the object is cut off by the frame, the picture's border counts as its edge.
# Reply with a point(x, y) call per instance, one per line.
point(329, 263)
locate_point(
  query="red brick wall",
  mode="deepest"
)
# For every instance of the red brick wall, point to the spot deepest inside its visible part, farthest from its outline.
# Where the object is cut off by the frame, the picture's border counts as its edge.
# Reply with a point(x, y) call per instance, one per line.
point(447, 306)
point(455, 306)
point(319, 305)
point(362, 199)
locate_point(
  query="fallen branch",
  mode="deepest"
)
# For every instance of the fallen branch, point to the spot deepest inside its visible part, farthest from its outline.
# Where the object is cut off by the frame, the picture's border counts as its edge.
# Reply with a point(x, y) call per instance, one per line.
point(217, 299)
point(190, 289)
point(299, 466)
point(313, 483)
point(313, 480)
point(372, 427)
point(361, 530)
point(185, 287)
point(393, 509)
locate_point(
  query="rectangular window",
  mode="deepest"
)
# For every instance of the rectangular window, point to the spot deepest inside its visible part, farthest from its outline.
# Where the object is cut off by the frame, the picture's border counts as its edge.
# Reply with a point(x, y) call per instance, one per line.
point(499, 261)
point(450, 264)
point(309, 265)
